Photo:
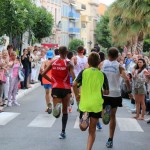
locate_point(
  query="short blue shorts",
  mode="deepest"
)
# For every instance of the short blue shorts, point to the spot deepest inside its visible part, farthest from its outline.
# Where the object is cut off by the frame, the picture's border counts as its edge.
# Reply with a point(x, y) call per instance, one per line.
point(71, 81)
point(47, 86)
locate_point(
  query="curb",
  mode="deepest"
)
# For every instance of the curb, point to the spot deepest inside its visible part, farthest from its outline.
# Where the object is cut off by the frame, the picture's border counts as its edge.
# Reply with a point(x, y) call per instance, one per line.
point(23, 93)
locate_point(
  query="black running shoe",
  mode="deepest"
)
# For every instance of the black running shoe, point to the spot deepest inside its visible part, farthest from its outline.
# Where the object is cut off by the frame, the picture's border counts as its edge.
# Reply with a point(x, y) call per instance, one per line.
point(49, 109)
point(109, 144)
point(106, 114)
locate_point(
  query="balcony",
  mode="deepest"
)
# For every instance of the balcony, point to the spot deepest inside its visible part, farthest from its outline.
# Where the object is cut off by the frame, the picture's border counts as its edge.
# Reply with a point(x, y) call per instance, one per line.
point(94, 2)
point(72, 2)
point(80, 7)
point(58, 26)
point(84, 18)
point(73, 16)
point(74, 31)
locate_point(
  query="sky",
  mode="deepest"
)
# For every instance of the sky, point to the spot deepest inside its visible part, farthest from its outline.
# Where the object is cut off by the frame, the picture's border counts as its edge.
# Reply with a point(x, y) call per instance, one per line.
point(107, 2)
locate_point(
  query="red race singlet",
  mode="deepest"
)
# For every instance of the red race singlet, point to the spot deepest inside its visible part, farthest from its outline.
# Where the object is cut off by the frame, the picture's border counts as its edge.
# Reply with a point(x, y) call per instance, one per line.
point(60, 74)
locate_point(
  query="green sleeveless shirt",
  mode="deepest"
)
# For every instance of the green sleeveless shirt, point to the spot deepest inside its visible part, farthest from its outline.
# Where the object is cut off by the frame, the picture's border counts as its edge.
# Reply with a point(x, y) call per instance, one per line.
point(91, 97)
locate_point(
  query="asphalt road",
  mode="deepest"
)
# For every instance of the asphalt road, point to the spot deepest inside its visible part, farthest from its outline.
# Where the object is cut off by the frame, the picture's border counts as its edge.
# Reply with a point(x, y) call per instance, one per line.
point(29, 127)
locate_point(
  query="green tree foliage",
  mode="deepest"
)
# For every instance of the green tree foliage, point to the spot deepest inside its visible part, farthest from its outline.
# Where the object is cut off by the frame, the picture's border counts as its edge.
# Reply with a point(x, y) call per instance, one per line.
point(18, 16)
point(129, 22)
point(102, 32)
point(43, 23)
point(73, 45)
point(146, 47)
point(12, 17)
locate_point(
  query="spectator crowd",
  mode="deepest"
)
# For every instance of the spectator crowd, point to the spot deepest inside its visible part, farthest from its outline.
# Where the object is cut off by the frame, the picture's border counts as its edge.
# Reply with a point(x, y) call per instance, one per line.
point(31, 61)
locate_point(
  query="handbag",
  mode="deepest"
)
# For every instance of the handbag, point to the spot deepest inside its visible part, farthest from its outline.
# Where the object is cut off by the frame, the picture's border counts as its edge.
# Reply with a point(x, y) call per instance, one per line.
point(2, 76)
point(21, 75)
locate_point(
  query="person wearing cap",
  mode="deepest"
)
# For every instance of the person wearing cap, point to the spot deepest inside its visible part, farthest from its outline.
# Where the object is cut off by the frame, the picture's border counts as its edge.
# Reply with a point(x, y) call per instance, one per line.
point(47, 84)
point(61, 69)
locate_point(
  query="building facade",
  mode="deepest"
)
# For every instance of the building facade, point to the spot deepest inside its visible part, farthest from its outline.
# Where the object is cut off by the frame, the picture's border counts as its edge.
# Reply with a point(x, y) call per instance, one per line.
point(70, 22)
point(73, 19)
point(54, 7)
point(89, 19)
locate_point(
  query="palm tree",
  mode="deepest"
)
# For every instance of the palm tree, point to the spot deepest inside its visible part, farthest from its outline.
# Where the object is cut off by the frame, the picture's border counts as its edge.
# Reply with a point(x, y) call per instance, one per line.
point(133, 21)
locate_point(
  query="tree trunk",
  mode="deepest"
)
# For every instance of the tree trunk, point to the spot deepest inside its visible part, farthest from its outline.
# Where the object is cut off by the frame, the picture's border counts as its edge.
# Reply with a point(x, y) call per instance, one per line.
point(134, 44)
point(140, 42)
point(10, 38)
point(128, 46)
point(30, 37)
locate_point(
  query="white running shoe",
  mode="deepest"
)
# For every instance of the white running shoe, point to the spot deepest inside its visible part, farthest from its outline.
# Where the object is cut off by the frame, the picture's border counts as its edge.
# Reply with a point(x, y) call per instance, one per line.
point(133, 111)
point(57, 110)
point(9, 104)
point(71, 100)
point(15, 103)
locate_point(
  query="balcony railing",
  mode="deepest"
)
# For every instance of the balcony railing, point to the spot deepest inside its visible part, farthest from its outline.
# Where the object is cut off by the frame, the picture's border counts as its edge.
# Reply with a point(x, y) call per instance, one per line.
point(72, 1)
point(81, 7)
point(73, 15)
point(74, 30)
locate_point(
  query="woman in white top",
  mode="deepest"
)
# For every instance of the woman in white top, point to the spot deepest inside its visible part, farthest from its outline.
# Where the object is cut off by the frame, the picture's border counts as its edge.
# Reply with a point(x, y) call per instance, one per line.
point(34, 63)
point(139, 87)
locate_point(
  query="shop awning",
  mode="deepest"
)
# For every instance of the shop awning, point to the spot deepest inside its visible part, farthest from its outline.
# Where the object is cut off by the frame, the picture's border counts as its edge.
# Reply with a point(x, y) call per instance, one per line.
point(50, 45)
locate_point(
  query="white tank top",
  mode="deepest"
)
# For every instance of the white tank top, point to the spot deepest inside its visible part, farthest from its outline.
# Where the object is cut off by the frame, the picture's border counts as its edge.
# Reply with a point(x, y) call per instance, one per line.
point(111, 69)
point(81, 63)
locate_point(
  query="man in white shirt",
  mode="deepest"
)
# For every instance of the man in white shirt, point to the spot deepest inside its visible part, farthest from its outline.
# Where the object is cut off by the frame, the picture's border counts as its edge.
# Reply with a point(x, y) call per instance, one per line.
point(113, 71)
point(79, 61)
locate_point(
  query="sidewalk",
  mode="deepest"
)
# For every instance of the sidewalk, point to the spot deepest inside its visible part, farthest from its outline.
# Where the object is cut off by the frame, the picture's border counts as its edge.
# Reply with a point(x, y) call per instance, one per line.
point(23, 93)
point(128, 105)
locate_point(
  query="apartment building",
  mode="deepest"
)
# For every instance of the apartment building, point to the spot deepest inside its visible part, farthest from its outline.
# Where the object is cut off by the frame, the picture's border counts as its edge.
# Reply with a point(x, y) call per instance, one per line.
point(89, 19)
point(70, 21)
point(54, 7)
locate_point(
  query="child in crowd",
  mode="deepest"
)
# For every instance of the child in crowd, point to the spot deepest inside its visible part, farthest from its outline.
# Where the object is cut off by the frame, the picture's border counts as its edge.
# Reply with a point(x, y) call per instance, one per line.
point(14, 65)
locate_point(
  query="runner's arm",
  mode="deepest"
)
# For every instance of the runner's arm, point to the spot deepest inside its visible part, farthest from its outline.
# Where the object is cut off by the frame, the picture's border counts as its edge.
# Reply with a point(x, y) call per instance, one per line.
point(75, 60)
point(49, 67)
point(77, 81)
point(71, 70)
point(105, 85)
point(42, 67)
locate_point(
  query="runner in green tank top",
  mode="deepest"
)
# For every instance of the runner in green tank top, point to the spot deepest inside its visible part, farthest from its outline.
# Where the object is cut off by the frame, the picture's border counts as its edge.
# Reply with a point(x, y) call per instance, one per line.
point(92, 82)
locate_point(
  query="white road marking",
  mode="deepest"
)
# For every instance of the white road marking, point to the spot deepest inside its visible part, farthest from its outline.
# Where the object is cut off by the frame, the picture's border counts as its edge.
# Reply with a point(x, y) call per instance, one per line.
point(6, 117)
point(129, 124)
point(43, 121)
point(76, 125)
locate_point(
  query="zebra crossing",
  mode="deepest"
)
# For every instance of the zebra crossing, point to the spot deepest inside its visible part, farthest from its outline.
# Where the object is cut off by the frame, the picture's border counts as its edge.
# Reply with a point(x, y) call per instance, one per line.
point(48, 121)
point(6, 117)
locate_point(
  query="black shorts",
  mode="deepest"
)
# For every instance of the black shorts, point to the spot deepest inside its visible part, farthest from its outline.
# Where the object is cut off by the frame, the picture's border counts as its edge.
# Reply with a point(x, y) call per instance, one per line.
point(114, 102)
point(92, 115)
point(60, 93)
